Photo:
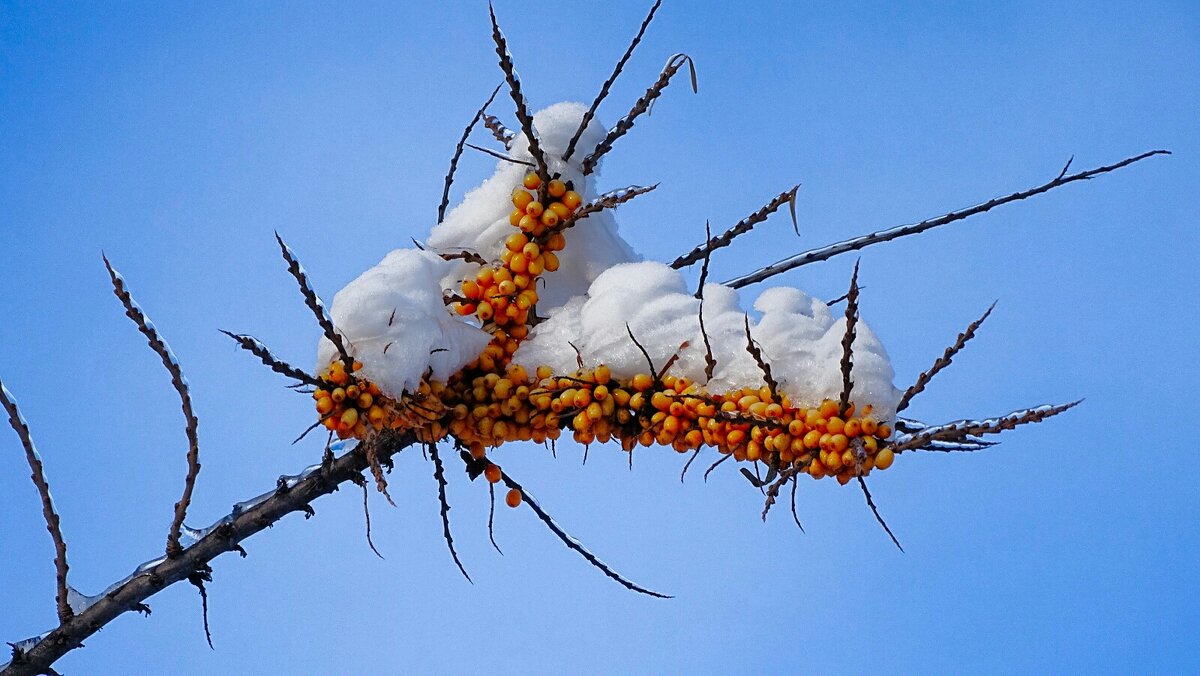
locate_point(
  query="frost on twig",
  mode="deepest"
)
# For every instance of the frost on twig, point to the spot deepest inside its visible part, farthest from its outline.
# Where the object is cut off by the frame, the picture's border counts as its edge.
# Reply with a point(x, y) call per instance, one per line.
point(160, 347)
point(847, 363)
point(256, 348)
point(38, 475)
point(930, 438)
point(314, 302)
point(853, 244)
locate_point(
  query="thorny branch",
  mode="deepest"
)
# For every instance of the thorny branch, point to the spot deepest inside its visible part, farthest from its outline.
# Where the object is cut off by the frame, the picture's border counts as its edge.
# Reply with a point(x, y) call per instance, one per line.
point(38, 475)
point(256, 348)
point(439, 475)
point(961, 429)
point(160, 347)
point(847, 363)
point(608, 200)
point(501, 133)
point(853, 244)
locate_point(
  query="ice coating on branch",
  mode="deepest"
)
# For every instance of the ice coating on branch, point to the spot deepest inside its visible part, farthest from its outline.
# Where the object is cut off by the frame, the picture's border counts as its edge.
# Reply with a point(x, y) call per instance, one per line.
point(480, 223)
point(396, 323)
point(799, 336)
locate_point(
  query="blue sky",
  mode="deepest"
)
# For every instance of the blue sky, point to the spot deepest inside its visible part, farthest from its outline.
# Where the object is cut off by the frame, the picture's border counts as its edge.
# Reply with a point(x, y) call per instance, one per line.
point(176, 138)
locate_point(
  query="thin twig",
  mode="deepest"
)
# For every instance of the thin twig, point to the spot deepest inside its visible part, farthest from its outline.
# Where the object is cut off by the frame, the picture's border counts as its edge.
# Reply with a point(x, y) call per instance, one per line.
point(688, 464)
point(514, 88)
point(847, 363)
point(367, 514)
point(38, 475)
point(713, 466)
point(645, 354)
point(875, 510)
point(440, 476)
point(499, 156)
point(572, 543)
point(608, 200)
point(740, 228)
point(256, 348)
point(772, 493)
point(458, 149)
point(641, 106)
point(853, 244)
point(943, 361)
point(759, 359)
point(314, 302)
point(591, 112)
point(492, 516)
point(710, 362)
point(160, 347)
point(198, 579)
point(795, 516)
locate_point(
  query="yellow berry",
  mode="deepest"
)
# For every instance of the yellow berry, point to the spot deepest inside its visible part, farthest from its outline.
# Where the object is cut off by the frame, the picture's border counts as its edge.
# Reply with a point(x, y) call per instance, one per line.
point(532, 181)
point(556, 188)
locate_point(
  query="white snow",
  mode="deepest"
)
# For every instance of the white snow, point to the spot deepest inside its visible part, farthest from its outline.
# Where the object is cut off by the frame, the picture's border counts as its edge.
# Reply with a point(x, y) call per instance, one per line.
point(398, 326)
point(799, 337)
point(601, 287)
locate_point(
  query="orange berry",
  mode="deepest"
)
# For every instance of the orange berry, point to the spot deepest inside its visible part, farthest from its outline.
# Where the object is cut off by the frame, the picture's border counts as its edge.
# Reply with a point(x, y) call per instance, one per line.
point(532, 181)
point(642, 382)
point(560, 209)
point(534, 209)
point(884, 458)
point(549, 218)
point(513, 499)
point(515, 217)
point(516, 241)
point(549, 261)
point(571, 199)
point(528, 223)
point(492, 473)
point(556, 188)
point(521, 198)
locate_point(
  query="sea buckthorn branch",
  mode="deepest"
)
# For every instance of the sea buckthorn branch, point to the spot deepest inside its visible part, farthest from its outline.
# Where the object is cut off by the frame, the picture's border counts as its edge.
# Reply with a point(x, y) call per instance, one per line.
point(591, 111)
point(740, 228)
point(943, 361)
point(160, 347)
point(761, 361)
point(856, 243)
point(642, 105)
point(862, 483)
point(608, 200)
point(514, 89)
point(458, 149)
point(499, 156)
point(294, 495)
point(38, 476)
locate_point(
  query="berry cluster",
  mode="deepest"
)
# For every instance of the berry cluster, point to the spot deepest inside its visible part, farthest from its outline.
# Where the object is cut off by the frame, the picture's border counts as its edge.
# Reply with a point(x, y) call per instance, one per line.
point(493, 401)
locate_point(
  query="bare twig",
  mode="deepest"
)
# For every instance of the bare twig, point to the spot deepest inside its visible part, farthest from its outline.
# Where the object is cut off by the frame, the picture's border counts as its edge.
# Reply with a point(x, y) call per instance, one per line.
point(795, 516)
point(641, 106)
point(458, 153)
point(160, 347)
point(848, 342)
point(713, 466)
point(788, 474)
point(38, 475)
point(572, 543)
point(314, 302)
point(943, 361)
point(591, 112)
point(522, 109)
point(827, 252)
point(740, 228)
point(875, 510)
point(710, 362)
point(367, 512)
point(440, 476)
point(649, 361)
point(198, 578)
point(256, 348)
point(688, 464)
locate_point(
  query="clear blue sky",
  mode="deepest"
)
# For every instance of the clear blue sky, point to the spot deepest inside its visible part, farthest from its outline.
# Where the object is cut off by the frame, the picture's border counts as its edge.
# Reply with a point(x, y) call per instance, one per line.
point(177, 138)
